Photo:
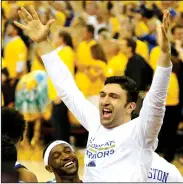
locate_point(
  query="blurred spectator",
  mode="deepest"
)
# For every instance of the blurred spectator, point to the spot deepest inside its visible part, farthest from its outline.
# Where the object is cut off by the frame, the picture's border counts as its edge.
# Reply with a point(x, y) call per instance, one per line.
point(91, 9)
point(117, 63)
point(96, 73)
point(69, 13)
point(44, 15)
point(114, 23)
point(77, 29)
point(177, 37)
point(105, 40)
point(137, 68)
point(84, 58)
point(31, 99)
point(14, 12)
point(127, 9)
point(151, 37)
point(62, 40)
point(128, 31)
point(15, 52)
point(102, 21)
point(8, 160)
point(7, 86)
point(66, 8)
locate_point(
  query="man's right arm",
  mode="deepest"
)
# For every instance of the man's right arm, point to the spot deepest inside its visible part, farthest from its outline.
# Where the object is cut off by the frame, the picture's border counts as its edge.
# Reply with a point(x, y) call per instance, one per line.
point(66, 88)
point(86, 113)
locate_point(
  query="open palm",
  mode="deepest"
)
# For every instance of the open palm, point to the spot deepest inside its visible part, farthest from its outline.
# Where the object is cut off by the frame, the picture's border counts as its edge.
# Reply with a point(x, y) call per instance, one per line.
point(163, 31)
point(33, 26)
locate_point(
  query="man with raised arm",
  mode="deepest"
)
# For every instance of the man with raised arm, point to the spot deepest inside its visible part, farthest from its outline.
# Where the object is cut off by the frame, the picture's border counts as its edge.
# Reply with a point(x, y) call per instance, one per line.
point(119, 149)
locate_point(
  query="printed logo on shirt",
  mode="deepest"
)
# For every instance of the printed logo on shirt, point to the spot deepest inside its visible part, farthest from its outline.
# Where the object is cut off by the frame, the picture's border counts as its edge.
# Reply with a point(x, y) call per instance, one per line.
point(91, 164)
point(97, 151)
point(159, 175)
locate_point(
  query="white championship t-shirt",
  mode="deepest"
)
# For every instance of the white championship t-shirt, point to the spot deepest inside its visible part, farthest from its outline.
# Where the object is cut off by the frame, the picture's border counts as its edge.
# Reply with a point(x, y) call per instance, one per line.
point(121, 154)
point(162, 171)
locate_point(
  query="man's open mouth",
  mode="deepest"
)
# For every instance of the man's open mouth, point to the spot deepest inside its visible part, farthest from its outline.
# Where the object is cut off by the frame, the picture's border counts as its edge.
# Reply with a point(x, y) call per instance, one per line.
point(106, 113)
point(69, 164)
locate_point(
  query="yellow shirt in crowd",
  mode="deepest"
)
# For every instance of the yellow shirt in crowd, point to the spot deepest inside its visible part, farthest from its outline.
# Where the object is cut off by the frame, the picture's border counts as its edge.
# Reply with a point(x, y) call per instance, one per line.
point(84, 57)
point(60, 20)
point(15, 51)
point(115, 25)
point(117, 65)
point(173, 89)
point(154, 55)
point(141, 29)
point(83, 52)
point(97, 85)
point(67, 55)
point(142, 49)
point(36, 65)
point(6, 7)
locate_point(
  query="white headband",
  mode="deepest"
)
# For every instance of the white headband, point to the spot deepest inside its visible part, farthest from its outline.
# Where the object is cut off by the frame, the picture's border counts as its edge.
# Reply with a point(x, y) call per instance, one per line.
point(50, 147)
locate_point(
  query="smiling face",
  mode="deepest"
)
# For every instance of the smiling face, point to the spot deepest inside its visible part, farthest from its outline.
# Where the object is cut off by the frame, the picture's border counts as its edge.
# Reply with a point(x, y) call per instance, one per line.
point(62, 161)
point(113, 106)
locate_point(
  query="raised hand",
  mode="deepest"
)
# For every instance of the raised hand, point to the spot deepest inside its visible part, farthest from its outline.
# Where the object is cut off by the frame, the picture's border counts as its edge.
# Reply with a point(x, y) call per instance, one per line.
point(163, 33)
point(33, 26)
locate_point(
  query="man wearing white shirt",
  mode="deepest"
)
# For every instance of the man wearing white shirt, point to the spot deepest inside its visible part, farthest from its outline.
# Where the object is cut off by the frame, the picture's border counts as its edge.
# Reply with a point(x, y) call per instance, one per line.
point(119, 149)
point(163, 171)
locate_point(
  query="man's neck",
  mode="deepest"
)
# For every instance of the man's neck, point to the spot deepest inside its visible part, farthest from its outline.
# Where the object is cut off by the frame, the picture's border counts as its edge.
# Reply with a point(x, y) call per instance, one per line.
point(68, 180)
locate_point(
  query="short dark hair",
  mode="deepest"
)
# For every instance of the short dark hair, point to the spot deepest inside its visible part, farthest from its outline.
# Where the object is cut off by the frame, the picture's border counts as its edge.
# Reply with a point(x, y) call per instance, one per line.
point(67, 38)
point(131, 43)
point(8, 154)
point(176, 27)
point(90, 29)
point(126, 84)
point(98, 53)
point(12, 124)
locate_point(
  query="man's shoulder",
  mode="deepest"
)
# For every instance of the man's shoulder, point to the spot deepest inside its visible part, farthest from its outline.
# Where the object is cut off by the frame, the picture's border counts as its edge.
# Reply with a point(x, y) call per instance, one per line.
point(162, 163)
point(19, 165)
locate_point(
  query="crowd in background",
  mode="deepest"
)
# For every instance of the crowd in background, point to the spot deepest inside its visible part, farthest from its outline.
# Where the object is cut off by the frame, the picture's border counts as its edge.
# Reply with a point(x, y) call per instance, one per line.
point(95, 39)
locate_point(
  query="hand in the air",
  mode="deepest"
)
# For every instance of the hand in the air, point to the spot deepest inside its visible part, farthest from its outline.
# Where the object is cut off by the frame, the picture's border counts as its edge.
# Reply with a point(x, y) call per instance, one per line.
point(163, 33)
point(33, 26)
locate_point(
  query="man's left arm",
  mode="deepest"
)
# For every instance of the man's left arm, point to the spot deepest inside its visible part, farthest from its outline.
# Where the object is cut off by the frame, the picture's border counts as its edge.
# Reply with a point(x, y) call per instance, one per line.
point(153, 109)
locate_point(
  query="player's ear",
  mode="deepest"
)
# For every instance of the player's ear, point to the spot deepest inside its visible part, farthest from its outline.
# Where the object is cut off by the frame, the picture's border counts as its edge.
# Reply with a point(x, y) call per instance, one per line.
point(49, 168)
point(131, 107)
